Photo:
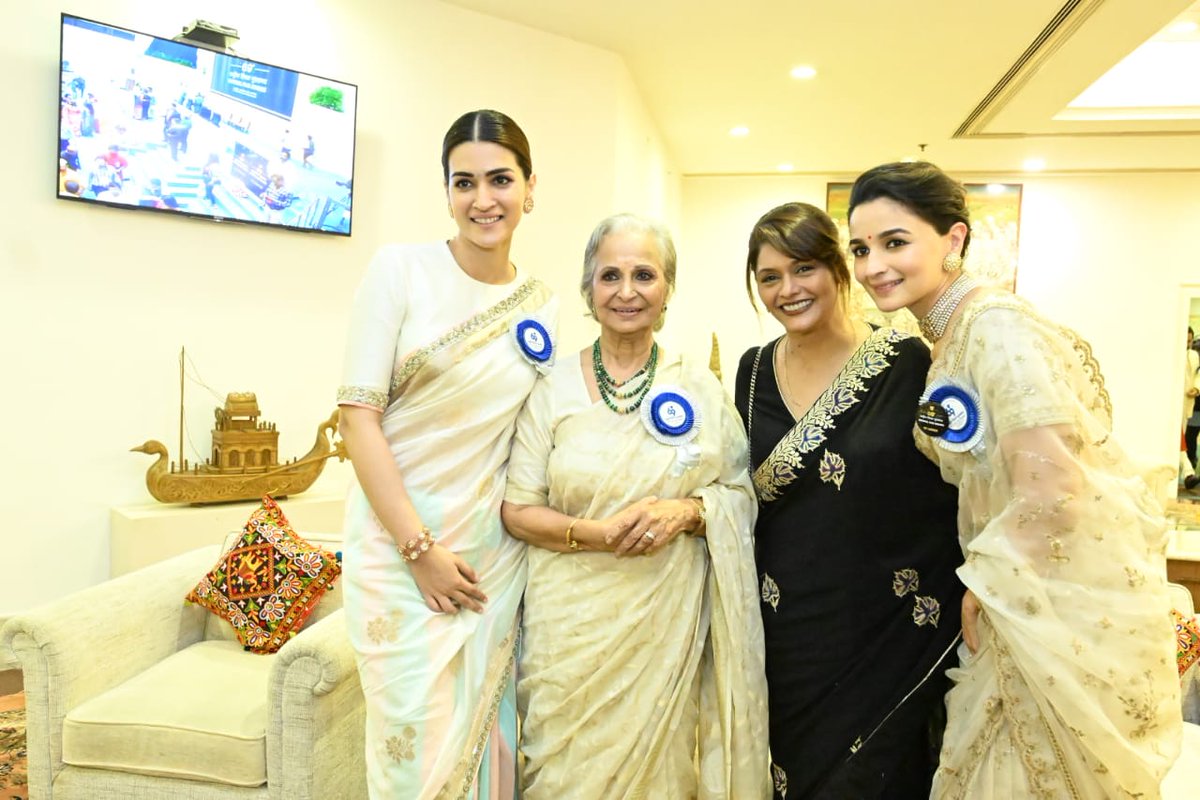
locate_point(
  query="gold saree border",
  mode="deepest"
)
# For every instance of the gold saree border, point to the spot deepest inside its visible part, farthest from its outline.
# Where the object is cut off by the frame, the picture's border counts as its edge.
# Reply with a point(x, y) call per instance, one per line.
point(411, 365)
point(1050, 777)
point(781, 467)
point(362, 396)
point(1043, 760)
point(461, 780)
point(967, 765)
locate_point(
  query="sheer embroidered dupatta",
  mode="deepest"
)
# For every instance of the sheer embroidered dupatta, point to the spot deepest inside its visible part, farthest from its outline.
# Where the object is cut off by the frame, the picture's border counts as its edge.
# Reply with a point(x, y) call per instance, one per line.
point(437, 683)
point(1064, 548)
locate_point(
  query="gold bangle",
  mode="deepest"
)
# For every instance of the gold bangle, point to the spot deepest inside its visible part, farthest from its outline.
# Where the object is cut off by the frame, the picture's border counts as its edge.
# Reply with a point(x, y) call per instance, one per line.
point(571, 543)
point(700, 513)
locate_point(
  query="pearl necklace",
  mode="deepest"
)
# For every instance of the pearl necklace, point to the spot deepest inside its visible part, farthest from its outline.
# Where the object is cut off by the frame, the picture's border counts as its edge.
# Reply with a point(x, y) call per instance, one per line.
point(933, 325)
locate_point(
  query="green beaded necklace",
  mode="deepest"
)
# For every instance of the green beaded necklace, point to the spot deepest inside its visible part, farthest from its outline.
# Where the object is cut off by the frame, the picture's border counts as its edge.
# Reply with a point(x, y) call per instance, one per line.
point(612, 390)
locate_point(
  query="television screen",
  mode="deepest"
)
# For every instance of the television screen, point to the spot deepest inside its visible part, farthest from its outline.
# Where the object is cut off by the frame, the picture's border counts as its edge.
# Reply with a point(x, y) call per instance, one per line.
point(152, 123)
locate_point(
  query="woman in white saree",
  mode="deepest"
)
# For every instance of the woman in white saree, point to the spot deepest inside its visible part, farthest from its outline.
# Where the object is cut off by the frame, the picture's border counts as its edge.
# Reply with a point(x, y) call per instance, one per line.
point(1068, 685)
point(430, 395)
point(639, 677)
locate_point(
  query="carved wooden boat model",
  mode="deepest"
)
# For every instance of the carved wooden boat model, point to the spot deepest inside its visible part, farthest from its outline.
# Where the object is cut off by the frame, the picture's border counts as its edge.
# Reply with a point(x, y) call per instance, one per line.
point(207, 483)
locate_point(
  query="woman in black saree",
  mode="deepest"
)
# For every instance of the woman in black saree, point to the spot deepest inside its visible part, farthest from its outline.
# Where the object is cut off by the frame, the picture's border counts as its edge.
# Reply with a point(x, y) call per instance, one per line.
point(856, 536)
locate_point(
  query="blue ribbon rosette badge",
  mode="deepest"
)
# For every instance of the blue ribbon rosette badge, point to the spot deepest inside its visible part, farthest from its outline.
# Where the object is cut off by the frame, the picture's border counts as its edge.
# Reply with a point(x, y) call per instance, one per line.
point(670, 416)
point(949, 412)
point(534, 343)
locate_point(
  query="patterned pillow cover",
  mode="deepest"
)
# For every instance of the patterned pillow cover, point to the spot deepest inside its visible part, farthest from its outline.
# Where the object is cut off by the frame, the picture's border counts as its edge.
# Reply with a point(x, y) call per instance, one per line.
point(268, 581)
point(1187, 635)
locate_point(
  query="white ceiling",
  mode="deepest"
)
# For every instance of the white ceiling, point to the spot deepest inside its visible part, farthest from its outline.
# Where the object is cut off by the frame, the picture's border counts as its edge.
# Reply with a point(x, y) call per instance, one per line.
point(979, 82)
point(1159, 80)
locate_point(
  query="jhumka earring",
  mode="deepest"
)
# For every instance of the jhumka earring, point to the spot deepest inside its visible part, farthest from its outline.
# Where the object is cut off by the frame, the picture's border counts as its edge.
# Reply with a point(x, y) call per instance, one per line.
point(528, 205)
point(952, 262)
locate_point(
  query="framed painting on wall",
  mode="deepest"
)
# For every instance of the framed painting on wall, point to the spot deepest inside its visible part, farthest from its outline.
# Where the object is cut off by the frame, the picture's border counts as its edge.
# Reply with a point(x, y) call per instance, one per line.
point(995, 231)
point(995, 210)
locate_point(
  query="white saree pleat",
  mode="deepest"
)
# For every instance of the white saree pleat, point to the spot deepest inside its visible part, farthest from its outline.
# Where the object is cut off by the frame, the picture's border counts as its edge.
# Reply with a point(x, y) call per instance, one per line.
point(438, 722)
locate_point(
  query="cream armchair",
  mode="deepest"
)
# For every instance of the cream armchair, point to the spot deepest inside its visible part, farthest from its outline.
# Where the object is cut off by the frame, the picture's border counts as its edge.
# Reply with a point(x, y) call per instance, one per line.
point(133, 693)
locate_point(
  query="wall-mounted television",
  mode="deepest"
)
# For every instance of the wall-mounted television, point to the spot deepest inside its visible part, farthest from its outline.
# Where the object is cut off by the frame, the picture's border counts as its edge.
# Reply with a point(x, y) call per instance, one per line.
point(152, 123)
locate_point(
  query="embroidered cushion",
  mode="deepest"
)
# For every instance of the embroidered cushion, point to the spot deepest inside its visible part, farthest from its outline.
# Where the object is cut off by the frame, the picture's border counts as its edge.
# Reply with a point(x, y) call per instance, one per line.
point(267, 582)
point(1187, 636)
point(218, 629)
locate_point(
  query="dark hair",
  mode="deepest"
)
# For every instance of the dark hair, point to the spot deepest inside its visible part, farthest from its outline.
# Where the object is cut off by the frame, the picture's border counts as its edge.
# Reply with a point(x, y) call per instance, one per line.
point(803, 232)
point(486, 125)
point(921, 188)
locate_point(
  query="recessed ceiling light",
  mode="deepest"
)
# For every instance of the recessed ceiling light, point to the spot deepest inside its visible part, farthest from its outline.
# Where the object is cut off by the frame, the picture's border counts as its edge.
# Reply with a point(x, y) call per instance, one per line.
point(1185, 26)
point(1034, 164)
point(785, 167)
point(803, 72)
point(740, 130)
point(908, 160)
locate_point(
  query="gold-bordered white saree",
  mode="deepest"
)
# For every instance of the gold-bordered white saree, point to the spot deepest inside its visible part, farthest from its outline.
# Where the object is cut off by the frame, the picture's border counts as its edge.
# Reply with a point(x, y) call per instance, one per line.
point(631, 667)
point(434, 351)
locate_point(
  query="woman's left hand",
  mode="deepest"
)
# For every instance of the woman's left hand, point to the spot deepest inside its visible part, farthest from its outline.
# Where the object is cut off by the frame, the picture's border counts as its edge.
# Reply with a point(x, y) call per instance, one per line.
point(655, 523)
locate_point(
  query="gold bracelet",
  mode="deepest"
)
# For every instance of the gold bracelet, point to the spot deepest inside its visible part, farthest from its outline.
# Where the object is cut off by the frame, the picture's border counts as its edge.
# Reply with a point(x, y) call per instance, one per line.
point(700, 513)
point(415, 547)
point(571, 543)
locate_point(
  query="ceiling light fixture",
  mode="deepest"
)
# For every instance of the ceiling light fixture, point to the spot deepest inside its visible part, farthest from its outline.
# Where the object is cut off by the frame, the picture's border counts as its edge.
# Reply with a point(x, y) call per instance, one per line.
point(1034, 164)
point(803, 72)
point(739, 131)
point(785, 167)
point(910, 159)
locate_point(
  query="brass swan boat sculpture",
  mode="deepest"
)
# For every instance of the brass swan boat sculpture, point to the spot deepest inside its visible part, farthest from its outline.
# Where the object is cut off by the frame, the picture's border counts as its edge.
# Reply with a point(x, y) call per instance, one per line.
point(214, 483)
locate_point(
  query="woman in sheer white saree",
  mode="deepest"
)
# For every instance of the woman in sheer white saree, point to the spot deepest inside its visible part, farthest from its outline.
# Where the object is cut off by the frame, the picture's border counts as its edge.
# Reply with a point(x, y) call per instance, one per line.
point(446, 342)
point(1068, 685)
point(638, 677)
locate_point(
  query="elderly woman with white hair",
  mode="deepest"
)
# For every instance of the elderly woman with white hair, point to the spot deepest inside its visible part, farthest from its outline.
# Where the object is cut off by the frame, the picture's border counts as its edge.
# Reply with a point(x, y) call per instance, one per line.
point(642, 641)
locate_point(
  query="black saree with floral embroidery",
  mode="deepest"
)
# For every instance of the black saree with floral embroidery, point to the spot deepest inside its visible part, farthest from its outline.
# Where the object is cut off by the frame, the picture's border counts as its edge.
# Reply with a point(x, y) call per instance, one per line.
point(856, 548)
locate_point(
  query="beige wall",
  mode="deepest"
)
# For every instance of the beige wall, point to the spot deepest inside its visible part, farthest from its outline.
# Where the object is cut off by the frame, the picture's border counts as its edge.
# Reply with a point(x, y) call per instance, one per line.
point(95, 303)
point(1095, 254)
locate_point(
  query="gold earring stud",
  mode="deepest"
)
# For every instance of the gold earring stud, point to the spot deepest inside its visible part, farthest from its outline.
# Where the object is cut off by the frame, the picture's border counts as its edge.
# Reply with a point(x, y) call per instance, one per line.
point(528, 205)
point(952, 262)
